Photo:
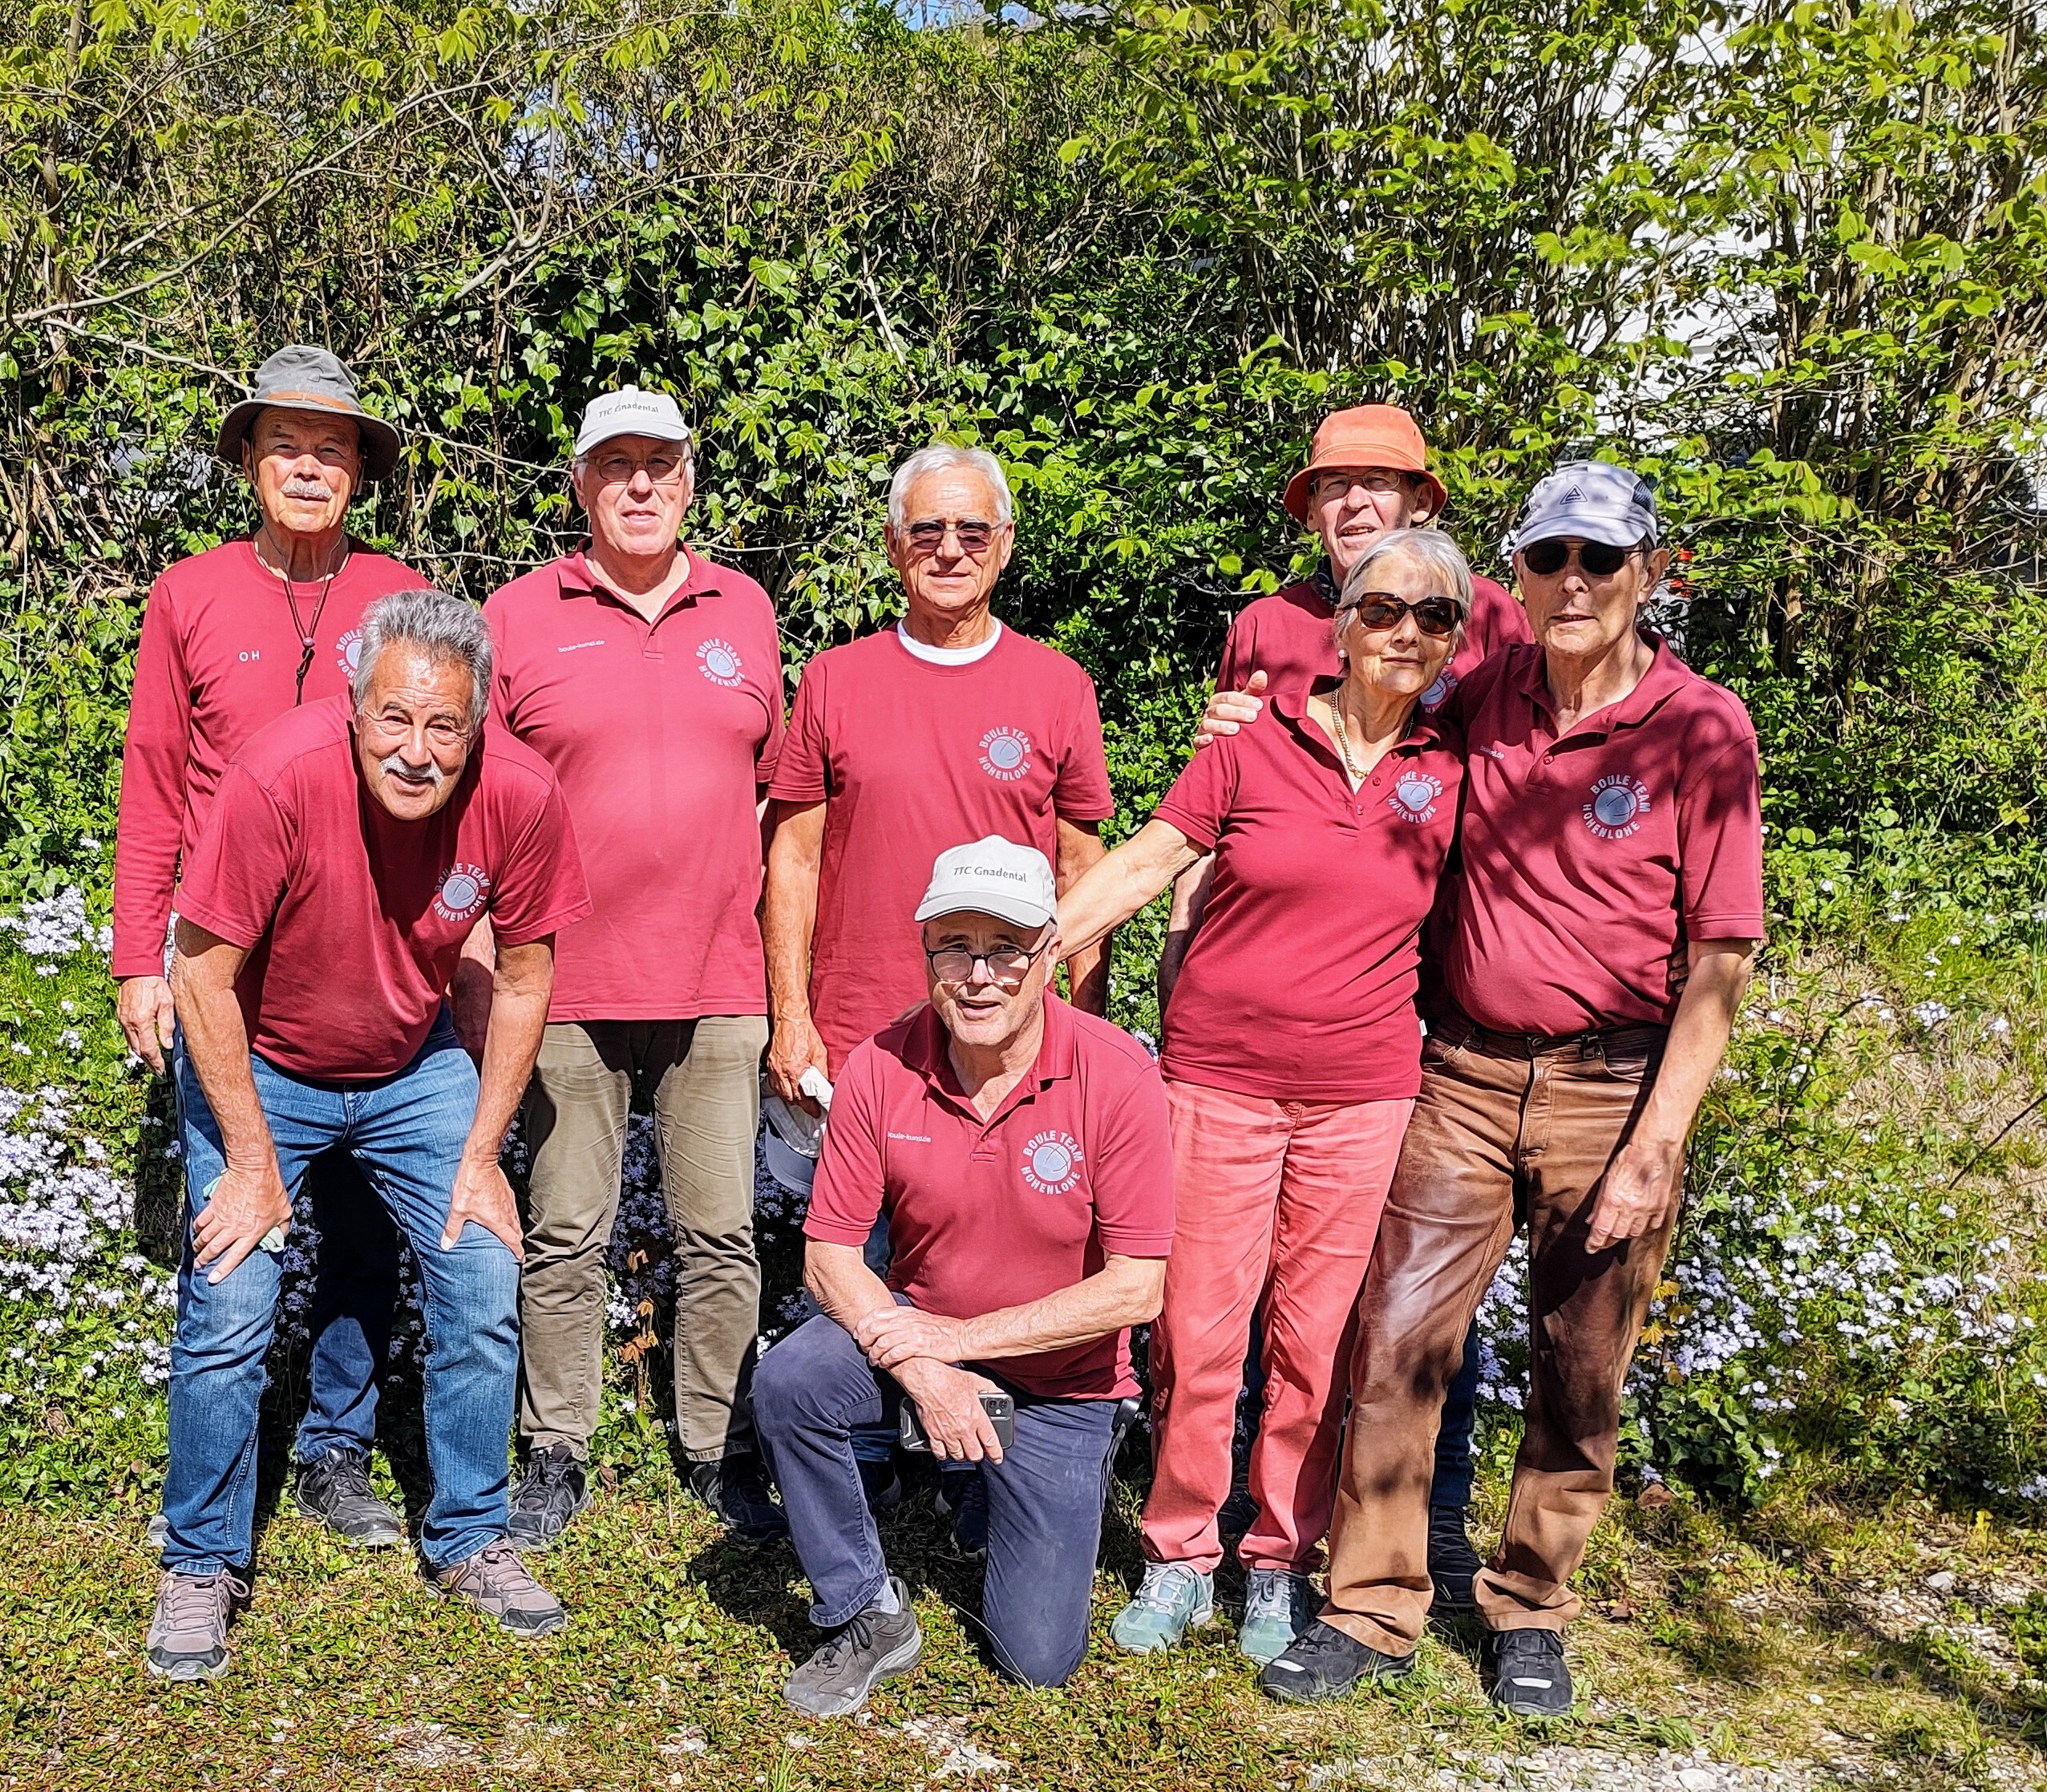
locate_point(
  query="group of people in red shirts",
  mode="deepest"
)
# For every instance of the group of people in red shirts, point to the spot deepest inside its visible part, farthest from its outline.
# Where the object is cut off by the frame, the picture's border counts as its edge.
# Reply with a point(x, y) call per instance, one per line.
point(1465, 891)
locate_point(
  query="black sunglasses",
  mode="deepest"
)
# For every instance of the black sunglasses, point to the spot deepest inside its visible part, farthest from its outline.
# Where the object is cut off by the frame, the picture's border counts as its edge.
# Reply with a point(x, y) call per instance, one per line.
point(927, 536)
point(1599, 558)
point(1433, 615)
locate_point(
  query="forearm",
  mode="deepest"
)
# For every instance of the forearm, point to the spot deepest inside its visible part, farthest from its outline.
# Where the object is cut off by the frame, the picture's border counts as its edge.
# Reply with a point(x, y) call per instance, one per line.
point(1118, 885)
point(840, 1282)
point(1699, 1032)
point(216, 1043)
point(520, 987)
point(1124, 1292)
point(1190, 900)
point(789, 914)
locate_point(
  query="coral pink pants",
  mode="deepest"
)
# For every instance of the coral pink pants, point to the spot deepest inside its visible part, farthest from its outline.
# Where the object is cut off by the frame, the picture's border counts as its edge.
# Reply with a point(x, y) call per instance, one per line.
point(1275, 1206)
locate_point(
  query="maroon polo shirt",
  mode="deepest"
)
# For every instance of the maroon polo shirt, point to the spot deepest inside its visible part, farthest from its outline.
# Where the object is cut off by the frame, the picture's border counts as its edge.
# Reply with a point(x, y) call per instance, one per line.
point(661, 734)
point(218, 660)
point(1073, 1166)
point(1300, 984)
point(1291, 638)
point(354, 919)
point(911, 758)
point(1591, 858)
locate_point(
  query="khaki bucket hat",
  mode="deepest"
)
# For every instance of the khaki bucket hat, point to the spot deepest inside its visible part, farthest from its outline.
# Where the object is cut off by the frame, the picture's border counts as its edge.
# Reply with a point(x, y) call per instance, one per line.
point(302, 377)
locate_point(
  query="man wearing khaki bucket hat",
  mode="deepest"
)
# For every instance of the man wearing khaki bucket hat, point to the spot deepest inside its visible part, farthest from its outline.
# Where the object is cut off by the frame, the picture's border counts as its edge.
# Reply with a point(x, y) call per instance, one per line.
point(1366, 475)
point(232, 639)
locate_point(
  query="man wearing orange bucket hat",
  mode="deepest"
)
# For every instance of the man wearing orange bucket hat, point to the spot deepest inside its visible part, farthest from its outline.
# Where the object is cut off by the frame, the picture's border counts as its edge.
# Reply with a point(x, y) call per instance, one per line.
point(1367, 475)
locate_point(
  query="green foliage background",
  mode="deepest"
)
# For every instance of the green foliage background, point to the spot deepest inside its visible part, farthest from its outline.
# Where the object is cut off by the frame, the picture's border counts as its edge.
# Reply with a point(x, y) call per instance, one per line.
point(1789, 257)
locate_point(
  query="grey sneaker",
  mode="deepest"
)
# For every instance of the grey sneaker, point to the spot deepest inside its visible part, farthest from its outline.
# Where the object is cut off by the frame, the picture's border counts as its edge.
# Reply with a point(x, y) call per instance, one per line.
point(496, 1582)
point(1279, 1603)
point(1173, 1598)
point(335, 1491)
point(187, 1637)
point(553, 1489)
point(874, 1646)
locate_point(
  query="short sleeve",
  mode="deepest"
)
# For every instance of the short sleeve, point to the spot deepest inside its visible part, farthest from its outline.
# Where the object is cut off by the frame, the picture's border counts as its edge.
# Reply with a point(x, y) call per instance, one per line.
point(500, 711)
point(1240, 653)
point(240, 867)
point(768, 760)
point(1720, 846)
point(1132, 1173)
point(539, 889)
point(1081, 792)
point(1204, 793)
point(846, 1197)
point(803, 761)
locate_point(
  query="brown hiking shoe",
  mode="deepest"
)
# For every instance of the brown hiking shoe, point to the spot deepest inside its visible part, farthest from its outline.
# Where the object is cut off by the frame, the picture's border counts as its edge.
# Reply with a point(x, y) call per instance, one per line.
point(187, 1637)
point(496, 1582)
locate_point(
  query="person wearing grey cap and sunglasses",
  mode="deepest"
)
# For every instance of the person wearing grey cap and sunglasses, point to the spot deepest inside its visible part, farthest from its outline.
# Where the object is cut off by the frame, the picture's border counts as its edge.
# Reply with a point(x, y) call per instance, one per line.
point(1607, 916)
point(649, 677)
point(231, 640)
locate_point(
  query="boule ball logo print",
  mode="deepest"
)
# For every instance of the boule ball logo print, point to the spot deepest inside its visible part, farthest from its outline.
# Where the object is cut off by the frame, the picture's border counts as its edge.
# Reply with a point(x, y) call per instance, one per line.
point(1414, 794)
point(1051, 1162)
point(1616, 805)
point(463, 890)
point(348, 652)
point(719, 661)
point(1005, 754)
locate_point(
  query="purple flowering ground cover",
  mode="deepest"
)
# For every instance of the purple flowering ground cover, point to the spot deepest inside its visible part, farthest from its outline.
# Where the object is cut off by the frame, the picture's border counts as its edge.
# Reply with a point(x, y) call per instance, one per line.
point(1827, 1561)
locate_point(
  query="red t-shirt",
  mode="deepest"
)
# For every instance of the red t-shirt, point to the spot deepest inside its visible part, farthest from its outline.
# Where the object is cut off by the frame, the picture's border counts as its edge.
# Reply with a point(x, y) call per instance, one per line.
point(353, 919)
point(1589, 860)
point(1300, 984)
point(912, 758)
point(1290, 637)
point(218, 660)
point(661, 735)
point(1075, 1165)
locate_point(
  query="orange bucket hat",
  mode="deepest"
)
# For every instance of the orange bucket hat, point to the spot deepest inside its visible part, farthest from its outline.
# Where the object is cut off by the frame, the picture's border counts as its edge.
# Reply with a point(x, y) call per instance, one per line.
point(1367, 436)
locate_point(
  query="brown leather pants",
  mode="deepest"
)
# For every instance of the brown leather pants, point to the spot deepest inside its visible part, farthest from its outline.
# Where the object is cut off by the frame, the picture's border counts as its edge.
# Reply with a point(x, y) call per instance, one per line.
point(1506, 1131)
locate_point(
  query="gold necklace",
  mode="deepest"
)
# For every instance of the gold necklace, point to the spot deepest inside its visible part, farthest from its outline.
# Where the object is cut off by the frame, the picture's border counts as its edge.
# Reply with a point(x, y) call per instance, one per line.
point(1350, 765)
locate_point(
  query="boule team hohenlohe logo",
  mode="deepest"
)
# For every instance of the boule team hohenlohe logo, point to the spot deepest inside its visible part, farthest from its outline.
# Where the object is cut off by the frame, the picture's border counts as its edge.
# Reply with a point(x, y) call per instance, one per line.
point(1051, 1162)
point(348, 652)
point(719, 661)
point(1615, 808)
point(462, 889)
point(1414, 795)
point(1434, 697)
point(1005, 754)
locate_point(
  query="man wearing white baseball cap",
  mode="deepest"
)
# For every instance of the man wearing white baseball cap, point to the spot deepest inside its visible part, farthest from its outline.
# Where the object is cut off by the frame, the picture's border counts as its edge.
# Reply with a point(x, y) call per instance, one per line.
point(1020, 1149)
point(650, 679)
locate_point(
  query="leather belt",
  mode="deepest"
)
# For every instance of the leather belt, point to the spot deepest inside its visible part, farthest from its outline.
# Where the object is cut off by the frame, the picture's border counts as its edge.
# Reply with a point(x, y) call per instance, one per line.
point(1639, 1039)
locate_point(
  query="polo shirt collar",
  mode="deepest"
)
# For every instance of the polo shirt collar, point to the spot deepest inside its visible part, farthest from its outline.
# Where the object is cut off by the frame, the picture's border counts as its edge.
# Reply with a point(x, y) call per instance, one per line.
point(1422, 732)
point(1666, 676)
point(576, 577)
point(924, 1051)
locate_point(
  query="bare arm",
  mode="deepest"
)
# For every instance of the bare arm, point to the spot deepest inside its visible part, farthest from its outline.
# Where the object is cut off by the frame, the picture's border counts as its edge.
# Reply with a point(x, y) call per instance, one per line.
point(795, 856)
point(469, 994)
point(1190, 903)
point(1639, 1192)
point(1125, 1291)
point(520, 985)
point(1087, 971)
point(250, 1197)
point(1123, 882)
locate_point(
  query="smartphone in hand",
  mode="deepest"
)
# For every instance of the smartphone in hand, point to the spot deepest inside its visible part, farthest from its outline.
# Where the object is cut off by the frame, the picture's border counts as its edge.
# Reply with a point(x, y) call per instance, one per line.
point(1001, 1410)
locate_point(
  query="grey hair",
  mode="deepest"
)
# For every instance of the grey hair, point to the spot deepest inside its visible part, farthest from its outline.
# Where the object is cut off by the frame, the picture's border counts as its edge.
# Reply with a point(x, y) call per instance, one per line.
point(941, 457)
point(1434, 550)
point(442, 627)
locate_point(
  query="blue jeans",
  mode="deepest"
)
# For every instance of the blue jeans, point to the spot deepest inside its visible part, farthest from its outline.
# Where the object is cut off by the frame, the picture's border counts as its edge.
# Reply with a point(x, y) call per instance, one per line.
point(355, 1294)
point(814, 1388)
point(1451, 1484)
point(405, 1134)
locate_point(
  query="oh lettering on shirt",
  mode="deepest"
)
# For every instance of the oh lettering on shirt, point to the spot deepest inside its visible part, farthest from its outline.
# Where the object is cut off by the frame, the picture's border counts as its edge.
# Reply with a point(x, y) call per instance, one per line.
point(348, 652)
point(719, 661)
point(1005, 754)
point(462, 893)
point(1051, 1162)
point(1415, 796)
point(1615, 808)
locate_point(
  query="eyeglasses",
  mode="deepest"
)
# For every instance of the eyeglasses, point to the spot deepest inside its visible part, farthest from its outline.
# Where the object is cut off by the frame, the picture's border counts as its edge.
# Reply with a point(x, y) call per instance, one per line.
point(1600, 559)
point(1009, 965)
point(1433, 615)
point(663, 469)
point(1378, 480)
point(927, 535)
point(442, 732)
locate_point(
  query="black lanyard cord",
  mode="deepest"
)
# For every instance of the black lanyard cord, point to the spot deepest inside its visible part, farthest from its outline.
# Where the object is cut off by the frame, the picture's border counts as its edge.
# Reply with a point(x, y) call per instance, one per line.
point(308, 631)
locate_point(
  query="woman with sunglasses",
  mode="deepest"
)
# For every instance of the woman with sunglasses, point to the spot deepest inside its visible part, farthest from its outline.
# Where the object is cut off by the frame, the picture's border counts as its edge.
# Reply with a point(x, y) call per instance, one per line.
point(1292, 1058)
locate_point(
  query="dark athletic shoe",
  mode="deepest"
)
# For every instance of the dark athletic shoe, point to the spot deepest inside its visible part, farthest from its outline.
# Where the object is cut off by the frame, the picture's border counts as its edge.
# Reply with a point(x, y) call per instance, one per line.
point(1526, 1674)
point(881, 1484)
point(875, 1646)
point(963, 1498)
point(553, 1489)
point(496, 1582)
point(335, 1490)
point(1322, 1663)
point(735, 1487)
point(187, 1637)
point(1453, 1563)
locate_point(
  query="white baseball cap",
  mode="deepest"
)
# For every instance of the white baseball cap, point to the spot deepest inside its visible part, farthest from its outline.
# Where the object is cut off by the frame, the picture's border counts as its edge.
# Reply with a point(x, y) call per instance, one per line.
point(993, 877)
point(1592, 500)
point(629, 411)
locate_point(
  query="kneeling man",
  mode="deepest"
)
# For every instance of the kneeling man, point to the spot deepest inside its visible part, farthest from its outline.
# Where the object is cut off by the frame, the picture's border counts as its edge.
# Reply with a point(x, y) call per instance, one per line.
point(352, 847)
point(1020, 1152)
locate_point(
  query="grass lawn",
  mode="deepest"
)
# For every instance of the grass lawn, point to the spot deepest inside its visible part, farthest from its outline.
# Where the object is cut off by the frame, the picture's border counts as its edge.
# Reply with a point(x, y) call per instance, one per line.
point(1804, 1639)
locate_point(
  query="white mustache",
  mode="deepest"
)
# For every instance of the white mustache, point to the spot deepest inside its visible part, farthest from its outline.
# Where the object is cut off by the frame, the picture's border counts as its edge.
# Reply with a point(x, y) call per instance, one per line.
point(394, 765)
point(299, 487)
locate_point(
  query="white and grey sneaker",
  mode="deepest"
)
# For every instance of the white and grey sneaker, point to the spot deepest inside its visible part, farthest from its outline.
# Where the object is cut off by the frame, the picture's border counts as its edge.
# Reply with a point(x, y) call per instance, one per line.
point(1279, 1603)
point(187, 1637)
point(874, 1646)
point(495, 1581)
